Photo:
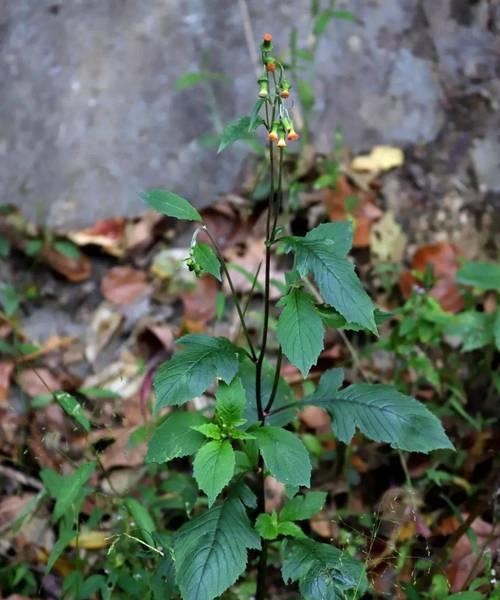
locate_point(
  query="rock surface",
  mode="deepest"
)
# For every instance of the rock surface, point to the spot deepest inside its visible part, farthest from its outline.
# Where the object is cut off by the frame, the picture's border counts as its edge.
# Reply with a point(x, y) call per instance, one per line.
point(90, 114)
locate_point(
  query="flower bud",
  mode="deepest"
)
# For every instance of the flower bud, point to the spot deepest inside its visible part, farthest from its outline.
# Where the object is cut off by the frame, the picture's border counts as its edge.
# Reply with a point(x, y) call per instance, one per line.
point(270, 64)
point(282, 140)
point(263, 87)
point(267, 42)
point(293, 135)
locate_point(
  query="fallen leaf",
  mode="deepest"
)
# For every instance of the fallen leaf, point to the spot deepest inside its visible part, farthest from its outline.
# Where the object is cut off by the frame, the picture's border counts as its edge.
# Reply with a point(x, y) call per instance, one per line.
point(381, 158)
point(363, 210)
point(199, 304)
point(316, 418)
point(91, 540)
point(74, 269)
point(122, 285)
point(443, 257)
point(141, 234)
point(6, 368)
point(35, 382)
point(107, 234)
point(122, 377)
point(323, 526)
point(387, 240)
point(104, 324)
point(274, 492)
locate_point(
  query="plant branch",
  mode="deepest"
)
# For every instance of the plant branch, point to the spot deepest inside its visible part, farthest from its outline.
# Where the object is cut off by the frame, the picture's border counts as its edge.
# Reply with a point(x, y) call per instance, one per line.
point(233, 292)
point(276, 381)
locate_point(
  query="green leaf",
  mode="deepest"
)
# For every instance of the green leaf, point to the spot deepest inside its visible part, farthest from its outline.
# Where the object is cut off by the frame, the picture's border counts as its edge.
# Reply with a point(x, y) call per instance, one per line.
point(73, 408)
point(220, 304)
point(323, 252)
point(4, 247)
point(300, 330)
point(175, 437)
point(383, 414)
point(496, 329)
point(204, 255)
point(57, 549)
point(188, 80)
point(267, 526)
point(66, 489)
point(9, 299)
point(231, 401)
point(211, 550)
point(33, 247)
point(209, 430)
point(255, 119)
point(466, 596)
point(191, 371)
point(475, 328)
point(321, 22)
point(344, 15)
point(485, 276)
point(213, 467)
point(170, 204)
point(284, 395)
point(303, 507)
point(142, 518)
point(285, 455)
point(324, 572)
point(333, 319)
point(237, 130)
point(306, 94)
point(290, 529)
point(67, 248)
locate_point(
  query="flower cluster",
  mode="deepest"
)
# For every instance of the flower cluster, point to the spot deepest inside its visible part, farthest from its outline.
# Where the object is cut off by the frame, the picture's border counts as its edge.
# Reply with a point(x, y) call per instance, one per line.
point(274, 89)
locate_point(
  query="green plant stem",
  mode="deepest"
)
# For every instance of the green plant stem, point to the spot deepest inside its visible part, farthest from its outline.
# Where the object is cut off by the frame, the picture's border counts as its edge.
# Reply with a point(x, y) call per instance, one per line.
point(276, 381)
point(233, 293)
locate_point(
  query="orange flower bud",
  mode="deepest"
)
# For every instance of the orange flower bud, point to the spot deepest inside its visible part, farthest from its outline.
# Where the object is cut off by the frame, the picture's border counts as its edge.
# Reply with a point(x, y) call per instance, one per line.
point(267, 37)
point(293, 135)
point(271, 66)
point(281, 143)
point(285, 93)
point(272, 135)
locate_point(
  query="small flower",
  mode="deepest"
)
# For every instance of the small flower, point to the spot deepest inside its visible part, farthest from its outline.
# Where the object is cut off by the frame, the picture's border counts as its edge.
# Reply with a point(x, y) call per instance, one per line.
point(293, 135)
point(268, 38)
point(273, 134)
point(267, 42)
point(281, 140)
point(263, 87)
point(285, 88)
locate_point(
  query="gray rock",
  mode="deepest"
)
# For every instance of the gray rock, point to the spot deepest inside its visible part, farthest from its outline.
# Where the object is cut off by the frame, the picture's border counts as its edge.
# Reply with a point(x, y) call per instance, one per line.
point(90, 115)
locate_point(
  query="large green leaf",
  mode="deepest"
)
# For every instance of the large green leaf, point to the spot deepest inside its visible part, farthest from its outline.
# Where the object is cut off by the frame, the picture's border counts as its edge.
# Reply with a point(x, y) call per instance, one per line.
point(477, 329)
point(66, 490)
point(303, 507)
point(383, 414)
point(231, 401)
point(285, 455)
point(170, 204)
point(191, 371)
point(213, 467)
point(485, 276)
point(323, 252)
point(175, 437)
point(211, 550)
point(238, 130)
point(323, 571)
point(300, 329)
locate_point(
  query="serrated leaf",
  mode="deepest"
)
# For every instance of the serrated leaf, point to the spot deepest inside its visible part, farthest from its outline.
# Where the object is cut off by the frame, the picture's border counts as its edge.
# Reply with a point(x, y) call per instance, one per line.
point(175, 437)
point(237, 130)
point(303, 507)
point(231, 401)
point(66, 489)
point(300, 330)
point(204, 255)
point(323, 252)
point(191, 371)
point(170, 204)
point(209, 430)
point(267, 526)
point(73, 408)
point(211, 550)
point(290, 529)
point(284, 394)
point(285, 455)
point(213, 467)
point(324, 572)
point(485, 276)
point(383, 414)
